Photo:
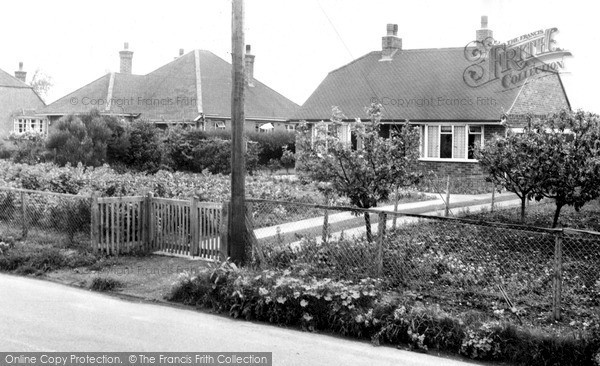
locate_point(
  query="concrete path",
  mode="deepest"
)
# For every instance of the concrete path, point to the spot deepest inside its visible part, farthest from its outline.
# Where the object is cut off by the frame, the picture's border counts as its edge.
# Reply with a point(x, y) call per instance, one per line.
point(43, 316)
point(352, 225)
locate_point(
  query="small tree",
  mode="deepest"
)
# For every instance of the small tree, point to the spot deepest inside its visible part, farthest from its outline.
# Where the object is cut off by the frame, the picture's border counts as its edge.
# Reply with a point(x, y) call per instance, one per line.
point(511, 162)
point(568, 147)
point(366, 175)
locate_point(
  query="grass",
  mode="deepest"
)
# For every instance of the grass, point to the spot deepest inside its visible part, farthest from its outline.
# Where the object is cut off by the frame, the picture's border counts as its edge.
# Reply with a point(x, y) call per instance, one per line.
point(588, 218)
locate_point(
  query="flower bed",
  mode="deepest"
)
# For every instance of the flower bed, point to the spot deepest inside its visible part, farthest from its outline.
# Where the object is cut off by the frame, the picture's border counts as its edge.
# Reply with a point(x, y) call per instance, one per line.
point(363, 310)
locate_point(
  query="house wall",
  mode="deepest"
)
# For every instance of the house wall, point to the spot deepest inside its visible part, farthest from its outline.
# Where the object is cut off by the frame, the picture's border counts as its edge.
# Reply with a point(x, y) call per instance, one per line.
point(12, 103)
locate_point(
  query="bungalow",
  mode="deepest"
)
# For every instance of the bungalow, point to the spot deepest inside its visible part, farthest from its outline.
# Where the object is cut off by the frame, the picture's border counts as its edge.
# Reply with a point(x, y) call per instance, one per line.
point(18, 101)
point(458, 97)
point(193, 89)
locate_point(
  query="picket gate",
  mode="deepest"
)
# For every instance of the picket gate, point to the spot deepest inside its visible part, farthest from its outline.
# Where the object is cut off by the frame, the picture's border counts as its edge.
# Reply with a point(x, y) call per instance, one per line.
point(162, 225)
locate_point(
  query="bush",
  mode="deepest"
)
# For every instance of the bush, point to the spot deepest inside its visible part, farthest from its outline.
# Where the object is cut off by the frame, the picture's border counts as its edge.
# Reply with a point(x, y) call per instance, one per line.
point(178, 145)
point(80, 139)
point(360, 309)
point(144, 152)
point(272, 145)
point(28, 148)
point(214, 155)
point(104, 284)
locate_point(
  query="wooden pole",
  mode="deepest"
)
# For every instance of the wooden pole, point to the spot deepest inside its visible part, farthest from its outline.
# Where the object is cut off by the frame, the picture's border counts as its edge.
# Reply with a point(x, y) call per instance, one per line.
point(493, 196)
point(237, 219)
point(447, 211)
point(95, 223)
point(380, 242)
point(558, 275)
point(24, 213)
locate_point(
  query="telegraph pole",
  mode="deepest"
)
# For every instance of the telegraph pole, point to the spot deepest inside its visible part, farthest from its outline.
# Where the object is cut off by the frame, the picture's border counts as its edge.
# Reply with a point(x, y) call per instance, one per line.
point(237, 213)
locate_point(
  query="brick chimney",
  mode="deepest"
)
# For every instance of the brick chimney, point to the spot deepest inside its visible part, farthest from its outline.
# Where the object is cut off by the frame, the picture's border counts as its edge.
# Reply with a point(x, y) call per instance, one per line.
point(484, 33)
point(21, 75)
point(249, 66)
point(391, 43)
point(126, 59)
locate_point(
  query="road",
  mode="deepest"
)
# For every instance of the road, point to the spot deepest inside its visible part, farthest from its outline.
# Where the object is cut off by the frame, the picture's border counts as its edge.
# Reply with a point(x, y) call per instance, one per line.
point(37, 315)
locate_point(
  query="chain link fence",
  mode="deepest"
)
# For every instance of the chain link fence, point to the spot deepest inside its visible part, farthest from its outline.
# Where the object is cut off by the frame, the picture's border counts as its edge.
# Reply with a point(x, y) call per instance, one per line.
point(457, 184)
point(45, 217)
point(535, 271)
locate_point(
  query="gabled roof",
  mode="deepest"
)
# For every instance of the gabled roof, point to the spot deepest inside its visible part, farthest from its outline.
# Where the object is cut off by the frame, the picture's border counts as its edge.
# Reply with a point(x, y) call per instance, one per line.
point(174, 92)
point(418, 85)
point(16, 97)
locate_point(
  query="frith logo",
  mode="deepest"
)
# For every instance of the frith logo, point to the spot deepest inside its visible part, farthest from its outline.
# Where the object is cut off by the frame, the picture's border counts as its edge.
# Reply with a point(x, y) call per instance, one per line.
point(511, 63)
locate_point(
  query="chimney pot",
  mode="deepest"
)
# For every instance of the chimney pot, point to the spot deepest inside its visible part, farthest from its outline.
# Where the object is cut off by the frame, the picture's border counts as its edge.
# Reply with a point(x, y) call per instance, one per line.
point(181, 52)
point(484, 33)
point(392, 29)
point(126, 57)
point(20, 74)
point(248, 48)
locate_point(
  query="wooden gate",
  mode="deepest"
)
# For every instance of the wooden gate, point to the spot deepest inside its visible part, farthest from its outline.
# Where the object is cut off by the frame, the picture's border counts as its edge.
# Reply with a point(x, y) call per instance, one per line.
point(162, 225)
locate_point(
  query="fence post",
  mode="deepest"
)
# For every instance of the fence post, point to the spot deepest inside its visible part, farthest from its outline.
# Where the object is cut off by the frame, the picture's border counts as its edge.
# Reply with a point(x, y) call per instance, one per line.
point(225, 230)
point(95, 220)
point(146, 227)
point(396, 201)
point(24, 213)
point(380, 239)
point(325, 234)
point(194, 227)
point(558, 275)
point(493, 196)
point(447, 211)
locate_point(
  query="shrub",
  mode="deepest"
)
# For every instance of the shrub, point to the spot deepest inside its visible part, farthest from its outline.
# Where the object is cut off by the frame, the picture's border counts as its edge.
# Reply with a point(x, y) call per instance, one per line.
point(178, 145)
point(360, 309)
point(144, 152)
point(272, 144)
point(104, 284)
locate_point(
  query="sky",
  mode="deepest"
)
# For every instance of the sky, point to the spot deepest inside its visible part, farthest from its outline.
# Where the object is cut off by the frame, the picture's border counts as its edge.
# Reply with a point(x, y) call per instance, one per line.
point(296, 43)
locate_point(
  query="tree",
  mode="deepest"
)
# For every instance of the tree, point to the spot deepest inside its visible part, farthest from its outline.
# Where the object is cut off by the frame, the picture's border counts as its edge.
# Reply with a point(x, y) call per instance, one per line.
point(41, 83)
point(511, 162)
point(366, 175)
point(569, 152)
point(557, 158)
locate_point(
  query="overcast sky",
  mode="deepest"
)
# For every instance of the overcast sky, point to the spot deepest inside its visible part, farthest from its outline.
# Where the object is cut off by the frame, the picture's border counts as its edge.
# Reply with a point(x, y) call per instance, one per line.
point(296, 43)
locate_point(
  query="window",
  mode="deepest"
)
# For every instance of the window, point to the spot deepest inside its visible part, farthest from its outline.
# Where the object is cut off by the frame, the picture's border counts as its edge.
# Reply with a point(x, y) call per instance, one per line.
point(29, 124)
point(450, 142)
point(474, 140)
point(220, 125)
point(289, 127)
point(446, 142)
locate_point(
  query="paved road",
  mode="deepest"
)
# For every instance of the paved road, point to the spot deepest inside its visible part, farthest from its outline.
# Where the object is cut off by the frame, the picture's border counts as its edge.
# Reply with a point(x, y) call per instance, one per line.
point(36, 315)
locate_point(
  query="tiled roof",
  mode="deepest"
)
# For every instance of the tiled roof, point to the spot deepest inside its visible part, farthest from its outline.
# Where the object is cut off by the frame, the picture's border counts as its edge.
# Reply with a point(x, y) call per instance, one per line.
point(418, 85)
point(16, 97)
point(8, 80)
point(170, 93)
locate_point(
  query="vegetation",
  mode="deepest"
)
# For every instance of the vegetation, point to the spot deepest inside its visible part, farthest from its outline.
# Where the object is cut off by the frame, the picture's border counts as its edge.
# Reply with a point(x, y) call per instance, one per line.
point(557, 158)
point(363, 310)
point(366, 175)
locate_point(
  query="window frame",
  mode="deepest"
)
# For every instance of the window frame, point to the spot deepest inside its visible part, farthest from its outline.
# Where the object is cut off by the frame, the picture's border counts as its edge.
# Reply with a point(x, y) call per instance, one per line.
point(424, 141)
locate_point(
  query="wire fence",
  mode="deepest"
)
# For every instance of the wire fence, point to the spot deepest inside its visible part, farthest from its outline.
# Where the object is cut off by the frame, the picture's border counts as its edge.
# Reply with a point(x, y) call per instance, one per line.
point(45, 217)
point(449, 260)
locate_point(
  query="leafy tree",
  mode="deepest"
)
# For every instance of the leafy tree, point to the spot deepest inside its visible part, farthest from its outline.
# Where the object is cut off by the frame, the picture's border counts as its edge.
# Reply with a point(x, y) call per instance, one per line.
point(556, 158)
point(568, 147)
point(41, 83)
point(511, 162)
point(366, 175)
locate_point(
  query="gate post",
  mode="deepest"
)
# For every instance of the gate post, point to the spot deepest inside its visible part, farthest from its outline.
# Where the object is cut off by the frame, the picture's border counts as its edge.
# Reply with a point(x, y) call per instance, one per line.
point(224, 230)
point(95, 220)
point(558, 275)
point(194, 226)
point(147, 232)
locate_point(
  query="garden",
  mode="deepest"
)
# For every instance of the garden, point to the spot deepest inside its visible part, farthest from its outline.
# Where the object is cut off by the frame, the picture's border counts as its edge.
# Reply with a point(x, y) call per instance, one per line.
point(469, 286)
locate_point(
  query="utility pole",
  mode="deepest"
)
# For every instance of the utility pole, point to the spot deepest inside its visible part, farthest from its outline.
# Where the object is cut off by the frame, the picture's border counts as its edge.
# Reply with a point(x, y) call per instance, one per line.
point(237, 213)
